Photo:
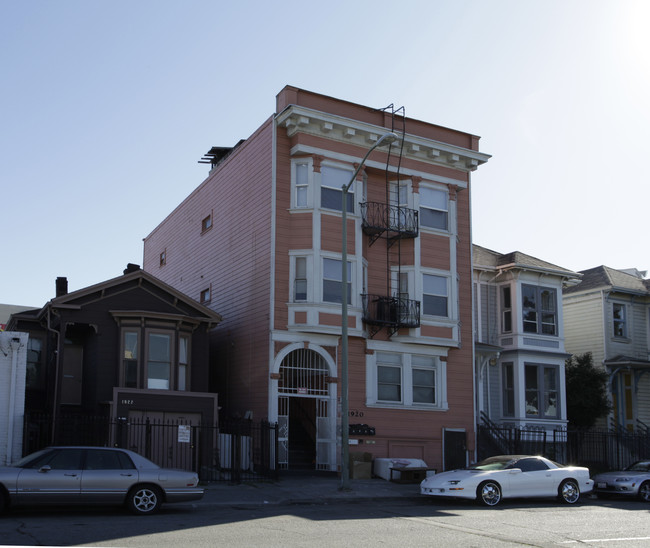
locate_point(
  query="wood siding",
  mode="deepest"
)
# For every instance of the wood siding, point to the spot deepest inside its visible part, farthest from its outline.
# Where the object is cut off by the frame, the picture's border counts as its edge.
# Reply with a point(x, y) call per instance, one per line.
point(233, 259)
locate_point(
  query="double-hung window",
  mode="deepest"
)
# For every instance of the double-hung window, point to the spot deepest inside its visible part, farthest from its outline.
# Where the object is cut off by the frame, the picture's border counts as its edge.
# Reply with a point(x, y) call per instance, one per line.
point(130, 358)
point(423, 377)
point(506, 310)
point(435, 295)
point(300, 279)
point(333, 179)
point(539, 310)
point(301, 184)
point(332, 281)
point(407, 380)
point(542, 391)
point(159, 362)
point(183, 362)
point(508, 383)
point(389, 377)
point(620, 321)
point(434, 208)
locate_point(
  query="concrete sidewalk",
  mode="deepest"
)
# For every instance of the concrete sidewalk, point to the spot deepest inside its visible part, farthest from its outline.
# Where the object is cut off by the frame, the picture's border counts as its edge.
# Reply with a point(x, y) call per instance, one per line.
point(305, 489)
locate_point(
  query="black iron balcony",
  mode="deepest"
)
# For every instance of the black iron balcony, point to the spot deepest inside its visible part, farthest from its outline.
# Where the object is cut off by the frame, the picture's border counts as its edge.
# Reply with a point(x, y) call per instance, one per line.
point(392, 312)
point(397, 221)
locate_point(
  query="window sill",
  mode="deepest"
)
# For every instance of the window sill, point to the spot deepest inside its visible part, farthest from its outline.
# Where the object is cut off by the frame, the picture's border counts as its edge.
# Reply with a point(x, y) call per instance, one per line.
point(420, 407)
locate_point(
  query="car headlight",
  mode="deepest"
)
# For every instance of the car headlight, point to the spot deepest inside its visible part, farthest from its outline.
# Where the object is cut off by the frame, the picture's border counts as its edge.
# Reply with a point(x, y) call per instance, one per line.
point(623, 479)
point(454, 482)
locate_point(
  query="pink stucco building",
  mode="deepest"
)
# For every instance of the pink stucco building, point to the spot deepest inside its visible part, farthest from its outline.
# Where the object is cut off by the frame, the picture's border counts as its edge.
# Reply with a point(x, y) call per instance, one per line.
point(259, 241)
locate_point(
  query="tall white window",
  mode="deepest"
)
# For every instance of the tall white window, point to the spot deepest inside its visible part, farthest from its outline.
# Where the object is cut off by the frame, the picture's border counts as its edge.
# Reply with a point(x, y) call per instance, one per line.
point(301, 187)
point(332, 281)
point(159, 361)
point(333, 179)
point(539, 310)
point(434, 208)
point(389, 377)
point(300, 279)
point(183, 362)
point(508, 384)
point(620, 321)
point(542, 391)
point(506, 310)
point(130, 359)
point(423, 376)
point(435, 295)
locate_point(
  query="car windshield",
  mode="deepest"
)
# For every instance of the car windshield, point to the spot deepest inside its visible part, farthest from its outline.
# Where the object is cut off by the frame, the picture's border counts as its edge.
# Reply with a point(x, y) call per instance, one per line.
point(641, 466)
point(493, 463)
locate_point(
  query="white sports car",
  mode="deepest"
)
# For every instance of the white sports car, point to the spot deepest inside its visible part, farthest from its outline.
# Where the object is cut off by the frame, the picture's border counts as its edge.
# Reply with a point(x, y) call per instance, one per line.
point(511, 476)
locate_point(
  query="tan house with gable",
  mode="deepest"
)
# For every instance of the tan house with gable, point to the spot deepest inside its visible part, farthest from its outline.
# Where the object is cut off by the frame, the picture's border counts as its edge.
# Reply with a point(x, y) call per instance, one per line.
point(608, 314)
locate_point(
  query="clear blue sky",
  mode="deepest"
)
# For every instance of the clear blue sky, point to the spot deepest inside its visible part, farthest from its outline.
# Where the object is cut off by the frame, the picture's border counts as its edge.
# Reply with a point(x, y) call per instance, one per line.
point(106, 107)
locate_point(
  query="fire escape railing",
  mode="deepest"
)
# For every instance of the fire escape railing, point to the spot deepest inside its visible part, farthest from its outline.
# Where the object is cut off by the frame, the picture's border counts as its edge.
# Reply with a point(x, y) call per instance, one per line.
point(391, 312)
point(379, 218)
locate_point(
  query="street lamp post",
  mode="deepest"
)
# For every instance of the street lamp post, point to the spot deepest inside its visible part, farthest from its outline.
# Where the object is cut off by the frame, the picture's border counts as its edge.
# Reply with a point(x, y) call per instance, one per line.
point(385, 139)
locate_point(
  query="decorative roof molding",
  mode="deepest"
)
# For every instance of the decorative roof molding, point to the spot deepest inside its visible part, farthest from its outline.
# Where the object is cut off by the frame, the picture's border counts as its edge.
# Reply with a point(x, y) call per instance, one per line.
point(296, 119)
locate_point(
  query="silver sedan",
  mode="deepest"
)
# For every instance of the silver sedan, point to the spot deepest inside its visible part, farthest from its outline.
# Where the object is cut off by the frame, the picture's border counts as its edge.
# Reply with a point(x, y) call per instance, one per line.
point(632, 481)
point(94, 475)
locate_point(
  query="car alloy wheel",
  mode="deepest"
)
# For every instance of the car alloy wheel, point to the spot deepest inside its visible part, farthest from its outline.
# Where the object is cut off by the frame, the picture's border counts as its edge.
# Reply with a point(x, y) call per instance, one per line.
point(144, 500)
point(489, 493)
point(569, 491)
point(644, 491)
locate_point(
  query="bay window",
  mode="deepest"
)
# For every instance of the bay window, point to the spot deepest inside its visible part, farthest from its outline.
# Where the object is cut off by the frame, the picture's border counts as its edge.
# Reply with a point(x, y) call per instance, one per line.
point(130, 363)
point(155, 359)
point(300, 279)
point(539, 310)
point(301, 186)
point(333, 179)
point(542, 389)
point(332, 281)
point(159, 361)
point(435, 295)
point(620, 321)
point(434, 208)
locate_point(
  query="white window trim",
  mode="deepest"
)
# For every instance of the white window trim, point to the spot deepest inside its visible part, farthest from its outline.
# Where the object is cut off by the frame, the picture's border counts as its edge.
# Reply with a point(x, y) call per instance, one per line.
point(626, 321)
point(307, 254)
point(310, 183)
point(451, 218)
point(356, 187)
point(452, 313)
point(352, 281)
point(439, 367)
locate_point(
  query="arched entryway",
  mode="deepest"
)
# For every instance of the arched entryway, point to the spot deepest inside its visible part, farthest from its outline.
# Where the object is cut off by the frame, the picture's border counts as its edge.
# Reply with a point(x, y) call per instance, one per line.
point(306, 414)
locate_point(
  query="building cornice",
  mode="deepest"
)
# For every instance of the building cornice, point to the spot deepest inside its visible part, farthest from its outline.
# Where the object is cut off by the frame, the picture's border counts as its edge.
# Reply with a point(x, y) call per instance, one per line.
point(296, 119)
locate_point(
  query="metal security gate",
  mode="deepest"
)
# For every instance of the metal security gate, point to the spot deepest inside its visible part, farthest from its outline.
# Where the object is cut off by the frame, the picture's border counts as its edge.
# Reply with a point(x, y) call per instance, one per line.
point(283, 432)
point(306, 431)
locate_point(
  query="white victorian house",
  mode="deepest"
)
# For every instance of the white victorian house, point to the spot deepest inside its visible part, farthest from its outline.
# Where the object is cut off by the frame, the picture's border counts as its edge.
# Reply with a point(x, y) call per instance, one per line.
point(519, 340)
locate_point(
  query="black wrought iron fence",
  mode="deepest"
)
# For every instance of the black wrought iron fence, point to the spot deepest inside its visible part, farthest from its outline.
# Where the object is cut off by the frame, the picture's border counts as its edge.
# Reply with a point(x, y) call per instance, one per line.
point(233, 451)
point(599, 450)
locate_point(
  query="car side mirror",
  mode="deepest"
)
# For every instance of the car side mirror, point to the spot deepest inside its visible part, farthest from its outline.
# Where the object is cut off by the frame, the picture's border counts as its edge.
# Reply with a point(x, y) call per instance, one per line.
point(45, 468)
point(515, 470)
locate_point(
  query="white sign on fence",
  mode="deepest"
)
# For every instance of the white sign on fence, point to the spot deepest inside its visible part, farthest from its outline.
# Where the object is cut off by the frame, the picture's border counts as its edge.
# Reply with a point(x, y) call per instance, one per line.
point(183, 433)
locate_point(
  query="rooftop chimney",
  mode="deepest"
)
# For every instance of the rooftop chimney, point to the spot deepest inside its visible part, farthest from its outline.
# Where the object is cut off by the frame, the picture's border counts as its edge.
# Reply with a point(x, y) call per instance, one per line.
point(61, 286)
point(130, 267)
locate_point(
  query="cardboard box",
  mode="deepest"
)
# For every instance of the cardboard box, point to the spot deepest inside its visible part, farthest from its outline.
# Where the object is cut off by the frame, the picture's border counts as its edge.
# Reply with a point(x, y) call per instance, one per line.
point(361, 470)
